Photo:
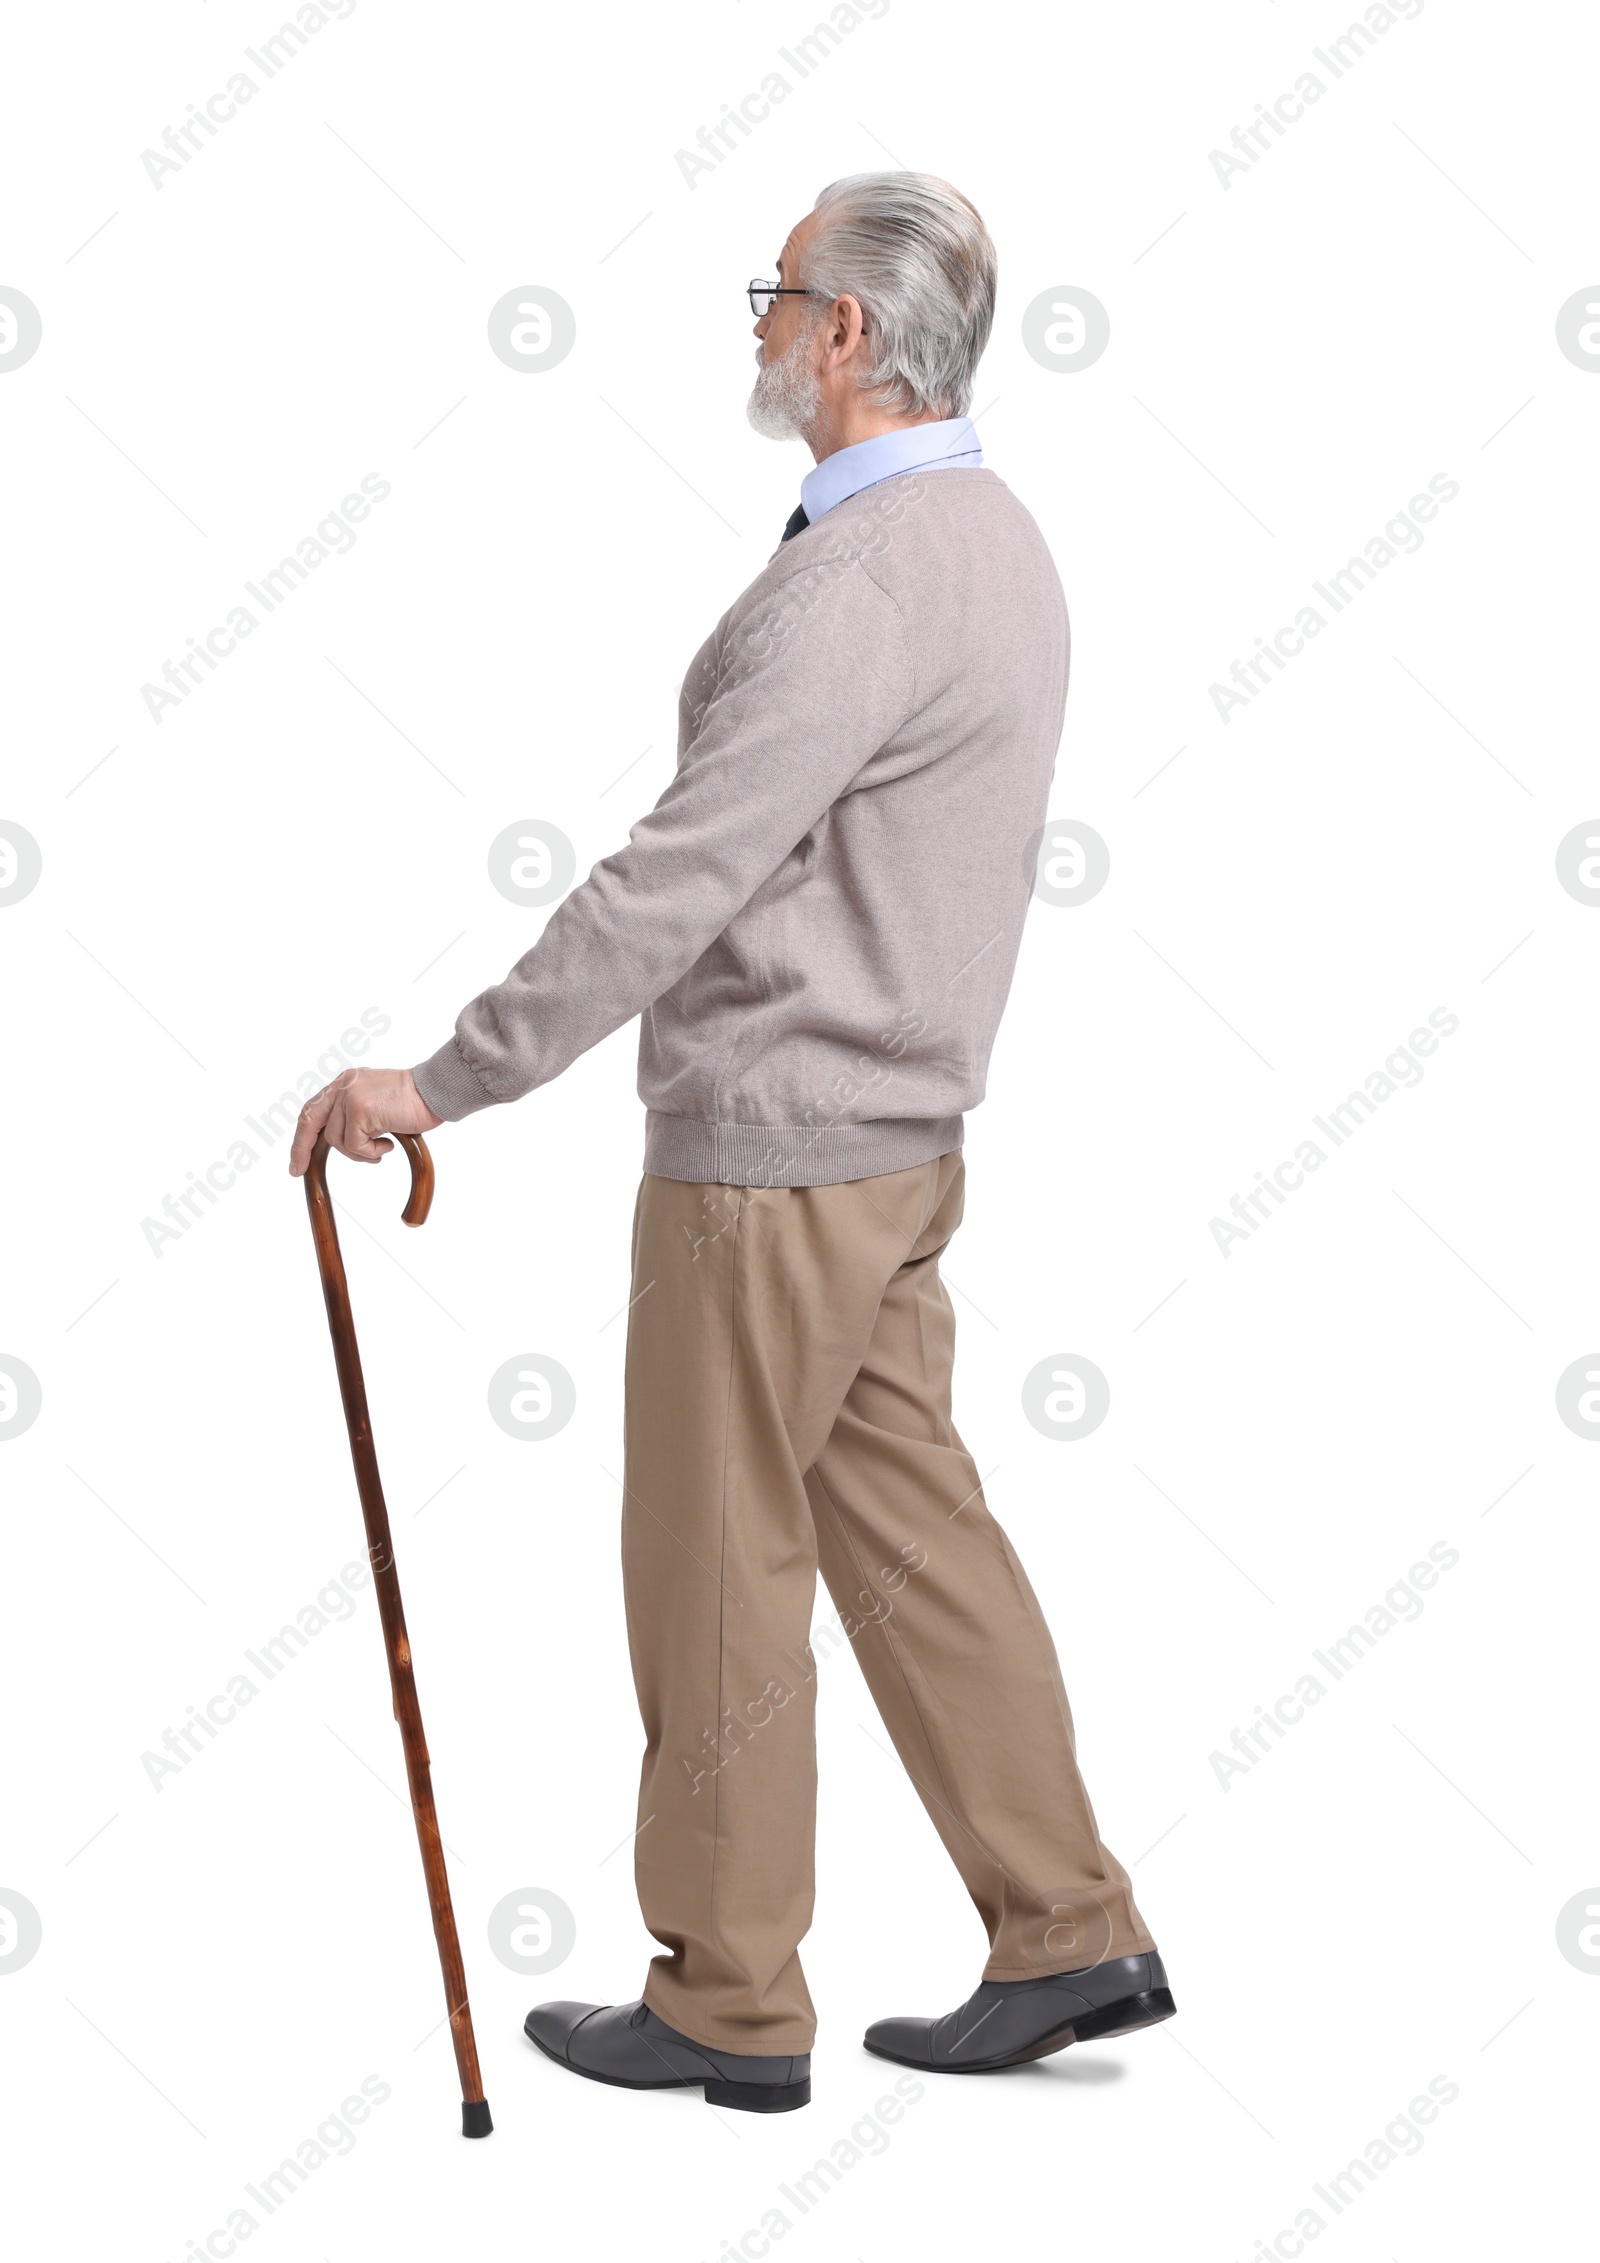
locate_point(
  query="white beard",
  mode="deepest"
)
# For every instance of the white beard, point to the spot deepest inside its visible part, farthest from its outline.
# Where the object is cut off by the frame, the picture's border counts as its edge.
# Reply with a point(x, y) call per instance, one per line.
point(787, 399)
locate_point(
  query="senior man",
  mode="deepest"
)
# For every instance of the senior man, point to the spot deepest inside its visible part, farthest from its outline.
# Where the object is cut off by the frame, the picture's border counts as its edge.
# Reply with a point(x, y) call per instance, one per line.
point(818, 924)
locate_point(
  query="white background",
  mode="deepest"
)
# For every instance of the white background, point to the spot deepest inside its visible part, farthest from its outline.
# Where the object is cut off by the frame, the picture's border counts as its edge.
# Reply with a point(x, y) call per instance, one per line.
point(1292, 356)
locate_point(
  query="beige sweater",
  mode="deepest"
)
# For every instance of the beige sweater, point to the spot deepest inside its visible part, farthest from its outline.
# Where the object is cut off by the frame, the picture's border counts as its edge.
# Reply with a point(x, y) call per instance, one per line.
point(819, 919)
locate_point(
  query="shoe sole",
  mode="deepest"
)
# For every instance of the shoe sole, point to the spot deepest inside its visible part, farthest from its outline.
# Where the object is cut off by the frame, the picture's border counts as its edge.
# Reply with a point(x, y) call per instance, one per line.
point(1124, 2017)
point(744, 2097)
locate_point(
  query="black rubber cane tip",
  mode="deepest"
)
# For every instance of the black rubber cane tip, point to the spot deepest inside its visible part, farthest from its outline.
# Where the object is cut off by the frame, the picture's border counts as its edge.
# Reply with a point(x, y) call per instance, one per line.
point(475, 2120)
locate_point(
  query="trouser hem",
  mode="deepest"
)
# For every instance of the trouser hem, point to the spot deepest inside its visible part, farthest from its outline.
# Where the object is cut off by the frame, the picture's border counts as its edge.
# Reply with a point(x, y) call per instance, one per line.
point(739, 2045)
point(1140, 1946)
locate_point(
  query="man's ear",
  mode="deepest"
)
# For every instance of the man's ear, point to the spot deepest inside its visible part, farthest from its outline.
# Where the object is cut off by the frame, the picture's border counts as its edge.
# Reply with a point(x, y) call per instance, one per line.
point(848, 325)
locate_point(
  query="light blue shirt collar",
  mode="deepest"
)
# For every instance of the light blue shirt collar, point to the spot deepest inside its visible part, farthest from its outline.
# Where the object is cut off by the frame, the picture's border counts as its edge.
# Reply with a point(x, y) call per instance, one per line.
point(952, 443)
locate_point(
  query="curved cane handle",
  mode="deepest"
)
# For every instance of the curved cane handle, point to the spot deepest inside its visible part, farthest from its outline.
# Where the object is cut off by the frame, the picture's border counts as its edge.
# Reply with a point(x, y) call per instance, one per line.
point(418, 1202)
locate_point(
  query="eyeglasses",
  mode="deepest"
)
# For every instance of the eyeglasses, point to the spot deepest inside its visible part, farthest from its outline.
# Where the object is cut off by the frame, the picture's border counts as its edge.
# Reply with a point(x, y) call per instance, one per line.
point(763, 294)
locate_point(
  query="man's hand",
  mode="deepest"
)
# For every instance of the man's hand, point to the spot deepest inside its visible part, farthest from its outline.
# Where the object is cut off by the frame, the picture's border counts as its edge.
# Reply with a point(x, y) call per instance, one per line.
point(355, 1110)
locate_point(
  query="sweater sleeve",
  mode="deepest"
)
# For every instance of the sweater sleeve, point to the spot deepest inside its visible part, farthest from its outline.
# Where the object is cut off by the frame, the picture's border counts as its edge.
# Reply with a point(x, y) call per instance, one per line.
point(810, 685)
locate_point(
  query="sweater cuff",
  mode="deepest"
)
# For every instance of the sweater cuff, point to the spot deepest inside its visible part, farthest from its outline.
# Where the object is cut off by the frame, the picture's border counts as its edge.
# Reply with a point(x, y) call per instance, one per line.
point(449, 1086)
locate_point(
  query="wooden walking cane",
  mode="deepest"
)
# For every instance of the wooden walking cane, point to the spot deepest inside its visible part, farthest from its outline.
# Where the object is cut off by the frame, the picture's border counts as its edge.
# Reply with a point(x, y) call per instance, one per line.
point(475, 2120)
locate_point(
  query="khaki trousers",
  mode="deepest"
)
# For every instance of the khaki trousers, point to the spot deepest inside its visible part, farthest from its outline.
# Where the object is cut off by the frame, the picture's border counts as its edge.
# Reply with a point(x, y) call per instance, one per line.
point(788, 1406)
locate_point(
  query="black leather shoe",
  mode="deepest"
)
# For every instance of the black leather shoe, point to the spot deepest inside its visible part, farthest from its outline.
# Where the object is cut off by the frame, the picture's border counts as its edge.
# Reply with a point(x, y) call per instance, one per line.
point(628, 2045)
point(1005, 2022)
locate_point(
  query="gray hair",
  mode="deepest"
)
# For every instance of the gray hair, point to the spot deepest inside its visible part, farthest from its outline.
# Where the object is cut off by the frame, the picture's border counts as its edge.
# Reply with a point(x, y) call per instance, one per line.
point(920, 261)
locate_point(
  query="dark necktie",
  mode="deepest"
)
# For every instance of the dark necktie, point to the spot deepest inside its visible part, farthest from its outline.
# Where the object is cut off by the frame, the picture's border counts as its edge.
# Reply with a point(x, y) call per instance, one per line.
point(798, 522)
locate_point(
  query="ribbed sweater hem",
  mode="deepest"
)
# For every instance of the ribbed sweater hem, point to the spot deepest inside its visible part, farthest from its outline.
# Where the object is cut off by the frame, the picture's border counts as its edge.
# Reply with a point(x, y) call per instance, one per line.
point(792, 1155)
